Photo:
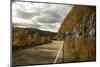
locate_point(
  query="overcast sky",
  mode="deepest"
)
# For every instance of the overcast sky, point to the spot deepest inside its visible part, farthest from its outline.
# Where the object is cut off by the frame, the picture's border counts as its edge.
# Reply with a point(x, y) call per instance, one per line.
point(39, 15)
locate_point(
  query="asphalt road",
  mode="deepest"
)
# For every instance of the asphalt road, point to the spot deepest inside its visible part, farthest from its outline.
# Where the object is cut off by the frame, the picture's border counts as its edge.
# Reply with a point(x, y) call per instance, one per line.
point(42, 54)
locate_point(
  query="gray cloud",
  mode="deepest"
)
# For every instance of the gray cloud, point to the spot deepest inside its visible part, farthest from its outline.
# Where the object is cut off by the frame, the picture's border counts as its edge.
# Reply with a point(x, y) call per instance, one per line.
point(27, 25)
point(26, 15)
point(47, 19)
point(53, 14)
point(40, 15)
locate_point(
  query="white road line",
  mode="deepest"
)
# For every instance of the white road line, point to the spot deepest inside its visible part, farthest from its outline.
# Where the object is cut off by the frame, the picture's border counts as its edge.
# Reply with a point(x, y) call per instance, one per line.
point(58, 53)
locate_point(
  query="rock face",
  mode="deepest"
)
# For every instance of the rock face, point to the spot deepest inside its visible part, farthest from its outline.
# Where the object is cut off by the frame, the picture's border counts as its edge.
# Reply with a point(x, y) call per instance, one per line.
point(77, 16)
point(78, 31)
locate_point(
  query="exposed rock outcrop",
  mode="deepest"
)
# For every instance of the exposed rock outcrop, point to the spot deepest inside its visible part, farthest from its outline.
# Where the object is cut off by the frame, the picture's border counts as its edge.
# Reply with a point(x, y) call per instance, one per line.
point(78, 31)
point(78, 16)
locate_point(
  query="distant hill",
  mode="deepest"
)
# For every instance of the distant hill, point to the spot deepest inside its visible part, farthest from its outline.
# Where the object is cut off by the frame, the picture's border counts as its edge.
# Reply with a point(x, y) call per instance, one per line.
point(34, 30)
point(30, 37)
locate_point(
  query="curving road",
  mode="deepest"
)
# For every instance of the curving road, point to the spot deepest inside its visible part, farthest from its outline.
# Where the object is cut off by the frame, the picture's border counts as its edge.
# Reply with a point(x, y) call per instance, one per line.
point(42, 54)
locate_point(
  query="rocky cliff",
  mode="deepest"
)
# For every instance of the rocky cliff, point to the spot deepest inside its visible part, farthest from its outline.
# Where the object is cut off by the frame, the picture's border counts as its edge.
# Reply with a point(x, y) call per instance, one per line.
point(80, 17)
point(78, 31)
